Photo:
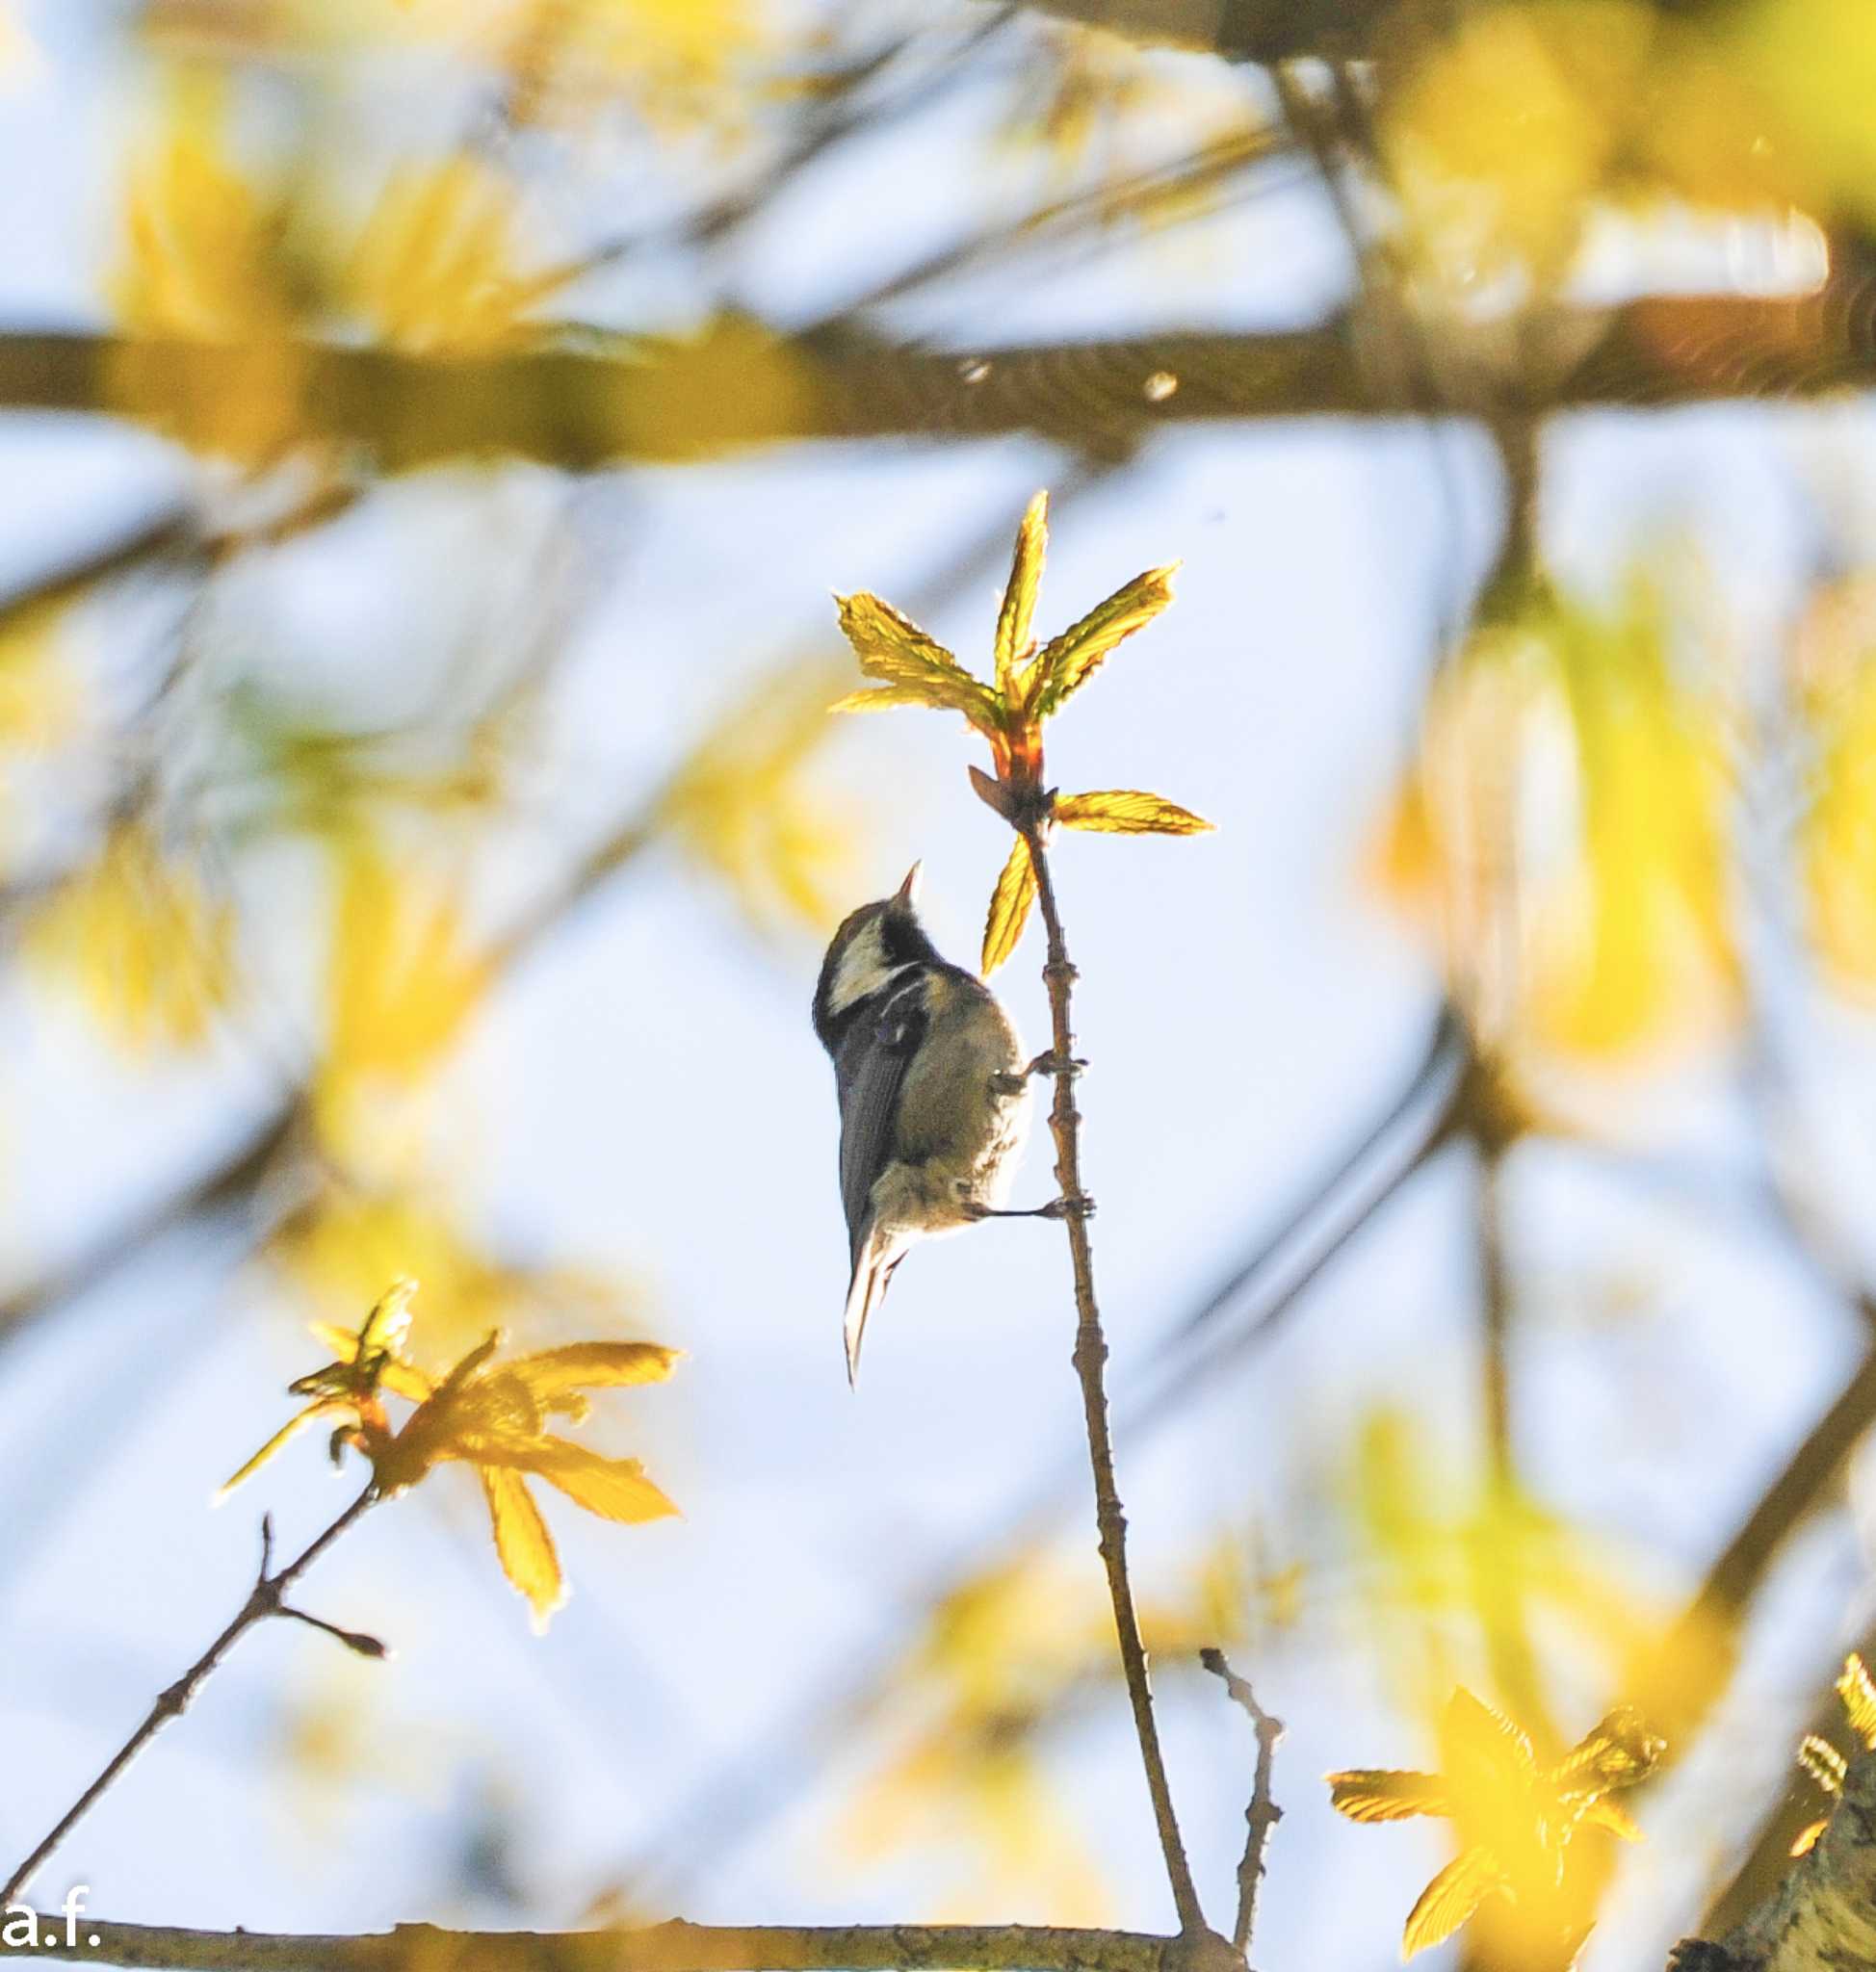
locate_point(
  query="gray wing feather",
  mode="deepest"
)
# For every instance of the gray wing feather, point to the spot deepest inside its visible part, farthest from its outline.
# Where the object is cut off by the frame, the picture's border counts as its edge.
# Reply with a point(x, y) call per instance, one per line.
point(869, 1075)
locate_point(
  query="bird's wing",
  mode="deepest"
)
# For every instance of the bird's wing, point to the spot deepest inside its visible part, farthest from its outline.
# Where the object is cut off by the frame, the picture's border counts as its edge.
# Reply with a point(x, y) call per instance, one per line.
point(869, 1074)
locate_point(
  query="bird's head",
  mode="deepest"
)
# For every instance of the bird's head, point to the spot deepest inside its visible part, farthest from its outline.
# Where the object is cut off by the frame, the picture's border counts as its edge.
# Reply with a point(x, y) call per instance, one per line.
point(873, 944)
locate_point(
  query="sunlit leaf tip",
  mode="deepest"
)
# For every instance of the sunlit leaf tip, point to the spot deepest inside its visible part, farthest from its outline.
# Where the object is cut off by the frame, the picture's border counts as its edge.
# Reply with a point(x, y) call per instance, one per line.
point(1018, 610)
point(1009, 907)
point(1127, 812)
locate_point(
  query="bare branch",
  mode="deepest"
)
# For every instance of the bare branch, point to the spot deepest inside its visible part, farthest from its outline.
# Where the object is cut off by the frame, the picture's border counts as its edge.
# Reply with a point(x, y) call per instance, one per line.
point(1262, 1814)
point(1091, 1354)
point(263, 1601)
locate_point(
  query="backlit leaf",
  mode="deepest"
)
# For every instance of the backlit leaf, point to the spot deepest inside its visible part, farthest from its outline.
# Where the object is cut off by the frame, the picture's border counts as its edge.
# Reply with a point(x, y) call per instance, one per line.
point(1449, 1899)
point(1066, 663)
point(1009, 907)
point(1018, 609)
point(1127, 812)
point(522, 1542)
point(614, 1488)
point(893, 649)
point(1388, 1795)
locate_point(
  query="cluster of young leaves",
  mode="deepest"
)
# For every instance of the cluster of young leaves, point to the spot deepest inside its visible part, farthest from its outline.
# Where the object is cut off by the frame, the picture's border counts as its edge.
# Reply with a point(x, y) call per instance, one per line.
point(1821, 1760)
point(1516, 1820)
point(1030, 684)
point(488, 1415)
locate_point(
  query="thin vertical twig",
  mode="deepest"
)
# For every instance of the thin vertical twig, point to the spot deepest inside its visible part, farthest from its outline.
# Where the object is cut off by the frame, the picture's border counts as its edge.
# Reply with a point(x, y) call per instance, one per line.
point(264, 1599)
point(1090, 1355)
point(1262, 1814)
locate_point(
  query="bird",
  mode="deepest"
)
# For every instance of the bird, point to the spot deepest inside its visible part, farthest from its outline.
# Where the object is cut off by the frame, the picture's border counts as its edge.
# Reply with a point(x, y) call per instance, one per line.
point(935, 1094)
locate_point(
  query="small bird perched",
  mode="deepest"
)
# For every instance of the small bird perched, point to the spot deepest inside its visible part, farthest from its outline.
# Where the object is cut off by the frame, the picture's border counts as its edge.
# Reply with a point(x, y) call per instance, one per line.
point(934, 1091)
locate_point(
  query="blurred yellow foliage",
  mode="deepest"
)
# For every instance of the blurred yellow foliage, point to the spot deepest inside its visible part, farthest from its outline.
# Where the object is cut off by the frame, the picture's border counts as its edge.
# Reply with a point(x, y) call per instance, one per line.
point(402, 975)
point(149, 948)
point(40, 698)
point(749, 805)
point(1447, 1563)
point(1812, 64)
point(338, 1247)
point(1003, 1658)
point(1835, 662)
point(434, 266)
point(1502, 139)
point(203, 259)
point(1566, 830)
point(680, 64)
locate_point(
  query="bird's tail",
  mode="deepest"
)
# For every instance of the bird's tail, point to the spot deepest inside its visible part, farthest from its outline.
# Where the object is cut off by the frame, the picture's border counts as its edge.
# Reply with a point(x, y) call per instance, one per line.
point(872, 1269)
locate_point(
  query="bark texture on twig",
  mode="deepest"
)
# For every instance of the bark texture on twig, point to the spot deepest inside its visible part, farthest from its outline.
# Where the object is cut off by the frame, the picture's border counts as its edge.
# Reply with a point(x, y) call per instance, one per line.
point(1090, 1357)
point(673, 1947)
point(1262, 1814)
point(1822, 1917)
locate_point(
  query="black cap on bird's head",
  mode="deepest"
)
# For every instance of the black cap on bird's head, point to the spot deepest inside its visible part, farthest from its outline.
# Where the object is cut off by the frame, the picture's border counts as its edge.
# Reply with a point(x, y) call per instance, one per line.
point(871, 946)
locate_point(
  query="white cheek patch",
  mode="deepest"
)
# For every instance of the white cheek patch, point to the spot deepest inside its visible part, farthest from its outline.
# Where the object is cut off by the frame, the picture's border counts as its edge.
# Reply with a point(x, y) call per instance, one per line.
point(863, 970)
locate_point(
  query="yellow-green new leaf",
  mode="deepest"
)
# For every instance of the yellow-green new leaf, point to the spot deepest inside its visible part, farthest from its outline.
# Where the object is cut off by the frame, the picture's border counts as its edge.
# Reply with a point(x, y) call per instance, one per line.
point(1009, 908)
point(881, 698)
point(1127, 812)
point(1066, 663)
point(522, 1542)
point(556, 1377)
point(1388, 1795)
point(614, 1489)
point(1018, 609)
point(893, 649)
point(285, 1435)
point(1449, 1899)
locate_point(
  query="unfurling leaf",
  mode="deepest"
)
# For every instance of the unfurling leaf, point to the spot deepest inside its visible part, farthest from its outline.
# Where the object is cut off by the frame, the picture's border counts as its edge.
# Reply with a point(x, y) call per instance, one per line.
point(1127, 812)
point(896, 651)
point(1387, 1795)
point(1009, 907)
point(523, 1545)
point(1449, 1899)
point(1018, 609)
point(1066, 663)
point(1515, 1819)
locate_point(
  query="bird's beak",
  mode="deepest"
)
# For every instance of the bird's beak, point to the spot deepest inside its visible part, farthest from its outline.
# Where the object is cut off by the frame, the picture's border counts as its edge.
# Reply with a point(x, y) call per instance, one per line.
point(908, 891)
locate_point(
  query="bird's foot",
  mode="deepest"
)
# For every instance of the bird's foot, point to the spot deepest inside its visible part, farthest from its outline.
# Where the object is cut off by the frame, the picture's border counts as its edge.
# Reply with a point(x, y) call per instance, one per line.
point(1052, 1063)
point(1055, 1208)
point(1081, 1207)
